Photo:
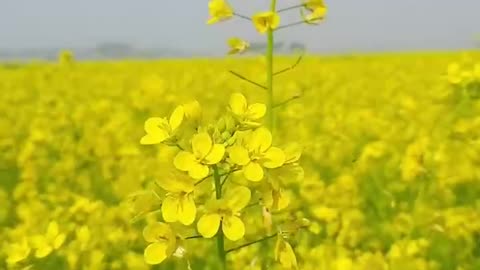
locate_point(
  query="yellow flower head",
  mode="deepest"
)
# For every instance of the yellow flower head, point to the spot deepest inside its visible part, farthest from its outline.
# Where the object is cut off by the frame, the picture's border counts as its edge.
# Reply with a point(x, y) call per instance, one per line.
point(237, 45)
point(317, 11)
point(204, 153)
point(179, 204)
point(255, 152)
point(163, 242)
point(52, 240)
point(264, 21)
point(247, 115)
point(226, 212)
point(284, 254)
point(160, 129)
point(219, 10)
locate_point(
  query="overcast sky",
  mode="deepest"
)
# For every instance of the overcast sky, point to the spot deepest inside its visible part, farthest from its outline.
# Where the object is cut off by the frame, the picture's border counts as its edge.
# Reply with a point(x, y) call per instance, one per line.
point(352, 25)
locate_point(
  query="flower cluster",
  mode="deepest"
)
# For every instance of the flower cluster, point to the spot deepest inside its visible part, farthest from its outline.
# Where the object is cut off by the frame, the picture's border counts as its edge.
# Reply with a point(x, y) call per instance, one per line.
point(220, 167)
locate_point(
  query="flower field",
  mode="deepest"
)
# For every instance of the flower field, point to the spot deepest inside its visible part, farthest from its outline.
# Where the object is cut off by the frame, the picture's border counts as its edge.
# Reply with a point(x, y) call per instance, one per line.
point(374, 164)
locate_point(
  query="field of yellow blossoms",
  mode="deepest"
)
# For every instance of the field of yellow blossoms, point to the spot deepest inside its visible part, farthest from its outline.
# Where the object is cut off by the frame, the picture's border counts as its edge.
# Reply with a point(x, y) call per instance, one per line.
point(390, 178)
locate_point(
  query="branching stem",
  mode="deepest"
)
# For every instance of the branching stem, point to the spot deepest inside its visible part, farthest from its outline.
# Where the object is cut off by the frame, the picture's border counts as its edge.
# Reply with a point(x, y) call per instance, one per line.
point(246, 79)
point(242, 16)
point(290, 8)
point(252, 243)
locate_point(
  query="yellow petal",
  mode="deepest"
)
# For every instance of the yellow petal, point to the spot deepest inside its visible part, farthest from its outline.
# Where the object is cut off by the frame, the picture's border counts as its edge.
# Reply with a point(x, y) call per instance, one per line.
point(198, 171)
point(155, 253)
point(256, 111)
point(293, 152)
point(156, 231)
point(237, 198)
point(176, 118)
point(284, 254)
point(259, 140)
point(238, 155)
point(216, 154)
point(43, 251)
point(187, 209)
point(176, 182)
point(273, 158)
point(208, 225)
point(253, 172)
point(264, 21)
point(238, 104)
point(157, 131)
point(59, 240)
point(201, 145)
point(233, 228)
point(184, 161)
point(170, 208)
point(52, 230)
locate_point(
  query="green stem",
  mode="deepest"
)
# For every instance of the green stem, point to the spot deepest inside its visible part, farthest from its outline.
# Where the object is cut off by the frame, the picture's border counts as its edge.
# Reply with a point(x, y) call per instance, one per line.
point(269, 56)
point(222, 255)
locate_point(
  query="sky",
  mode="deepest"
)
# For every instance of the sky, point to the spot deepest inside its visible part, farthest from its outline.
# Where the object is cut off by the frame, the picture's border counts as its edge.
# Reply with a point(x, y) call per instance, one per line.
point(351, 25)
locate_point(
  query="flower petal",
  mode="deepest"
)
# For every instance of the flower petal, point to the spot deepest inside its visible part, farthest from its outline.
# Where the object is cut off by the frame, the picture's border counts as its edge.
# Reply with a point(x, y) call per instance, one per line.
point(157, 131)
point(176, 118)
point(238, 104)
point(233, 228)
point(208, 225)
point(216, 154)
point(293, 152)
point(155, 253)
point(201, 145)
point(273, 158)
point(237, 198)
point(187, 209)
point(155, 231)
point(253, 172)
point(184, 161)
point(170, 208)
point(260, 140)
point(198, 171)
point(256, 111)
point(238, 155)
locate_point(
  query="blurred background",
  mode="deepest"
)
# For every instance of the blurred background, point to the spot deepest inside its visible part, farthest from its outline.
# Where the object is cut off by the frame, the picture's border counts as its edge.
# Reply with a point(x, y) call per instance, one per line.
point(154, 29)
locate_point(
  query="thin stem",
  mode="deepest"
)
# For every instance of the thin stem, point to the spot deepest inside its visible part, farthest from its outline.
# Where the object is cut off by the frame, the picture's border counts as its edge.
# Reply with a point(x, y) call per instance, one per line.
point(193, 237)
point(252, 243)
point(246, 79)
point(290, 67)
point(289, 25)
point(285, 102)
point(269, 56)
point(242, 16)
point(290, 8)
point(222, 255)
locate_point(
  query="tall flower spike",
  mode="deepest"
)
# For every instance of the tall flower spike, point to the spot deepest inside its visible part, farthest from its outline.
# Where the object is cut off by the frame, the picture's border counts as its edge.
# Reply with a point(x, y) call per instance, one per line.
point(226, 213)
point(205, 153)
point(265, 21)
point(160, 129)
point(219, 11)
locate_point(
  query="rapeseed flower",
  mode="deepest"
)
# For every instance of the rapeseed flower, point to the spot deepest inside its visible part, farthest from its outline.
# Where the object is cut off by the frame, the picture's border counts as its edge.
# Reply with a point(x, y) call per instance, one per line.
point(160, 129)
point(265, 21)
point(163, 242)
point(219, 10)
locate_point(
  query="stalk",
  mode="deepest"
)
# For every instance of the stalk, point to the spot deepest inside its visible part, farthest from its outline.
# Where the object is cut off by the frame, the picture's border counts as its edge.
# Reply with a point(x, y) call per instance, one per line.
point(269, 56)
point(222, 254)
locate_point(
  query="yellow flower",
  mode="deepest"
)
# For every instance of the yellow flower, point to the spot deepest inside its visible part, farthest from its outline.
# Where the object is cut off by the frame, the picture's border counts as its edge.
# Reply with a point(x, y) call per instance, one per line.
point(317, 9)
point(255, 152)
point(246, 115)
point(160, 129)
point(52, 240)
point(179, 204)
point(219, 10)
point(284, 254)
point(205, 153)
point(226, 212)
point(163, 242)
point(237, 45)
point(18, 252)
point(264, 21)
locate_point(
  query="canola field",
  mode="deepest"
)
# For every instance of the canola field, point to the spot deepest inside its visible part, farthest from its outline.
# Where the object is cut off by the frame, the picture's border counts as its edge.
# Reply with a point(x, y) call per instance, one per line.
point(389, 177)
